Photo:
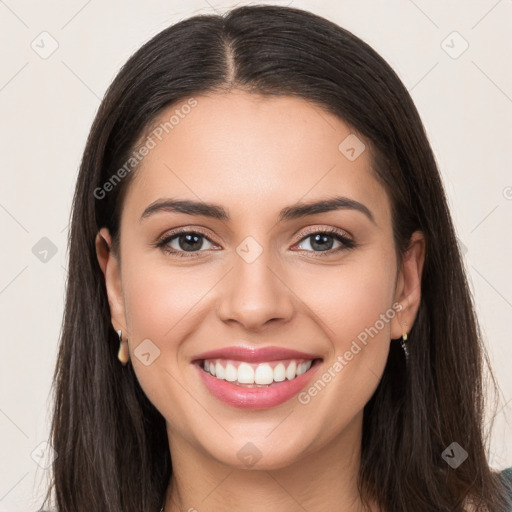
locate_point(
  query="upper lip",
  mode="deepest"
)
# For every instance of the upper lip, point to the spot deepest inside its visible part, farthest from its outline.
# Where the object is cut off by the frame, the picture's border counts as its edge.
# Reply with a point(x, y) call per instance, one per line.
point(255, 355)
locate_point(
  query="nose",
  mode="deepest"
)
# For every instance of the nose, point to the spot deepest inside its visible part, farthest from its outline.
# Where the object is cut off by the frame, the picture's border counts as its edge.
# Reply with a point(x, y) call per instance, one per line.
point(256, 293)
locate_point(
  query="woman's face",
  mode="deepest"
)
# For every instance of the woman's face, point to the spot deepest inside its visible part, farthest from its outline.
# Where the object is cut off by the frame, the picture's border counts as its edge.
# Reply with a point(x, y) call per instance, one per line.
point(256, 273)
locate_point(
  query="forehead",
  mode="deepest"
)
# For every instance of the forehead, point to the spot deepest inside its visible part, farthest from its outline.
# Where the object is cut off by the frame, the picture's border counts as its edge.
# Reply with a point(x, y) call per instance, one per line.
point(246, 150)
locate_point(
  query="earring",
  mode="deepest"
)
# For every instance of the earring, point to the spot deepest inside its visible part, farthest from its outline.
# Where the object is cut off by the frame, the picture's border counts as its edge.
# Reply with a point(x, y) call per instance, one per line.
point(404, 345)
point(123, 355)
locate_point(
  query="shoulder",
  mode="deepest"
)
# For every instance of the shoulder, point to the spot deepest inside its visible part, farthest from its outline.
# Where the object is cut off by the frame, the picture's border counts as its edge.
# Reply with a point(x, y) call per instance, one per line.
point(506, 476)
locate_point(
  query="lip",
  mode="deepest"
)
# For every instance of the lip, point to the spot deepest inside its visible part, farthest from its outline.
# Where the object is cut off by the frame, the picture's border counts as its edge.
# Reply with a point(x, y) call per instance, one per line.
point(256, 398)
point(255, 355)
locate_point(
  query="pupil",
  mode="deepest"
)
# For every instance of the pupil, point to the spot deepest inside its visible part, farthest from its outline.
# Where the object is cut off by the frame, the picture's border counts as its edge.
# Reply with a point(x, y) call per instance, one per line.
point(319, 240)
point(188, 241)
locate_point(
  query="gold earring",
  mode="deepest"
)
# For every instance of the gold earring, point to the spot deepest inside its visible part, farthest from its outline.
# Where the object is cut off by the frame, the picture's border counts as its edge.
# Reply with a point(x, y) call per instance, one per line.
point(124, 354)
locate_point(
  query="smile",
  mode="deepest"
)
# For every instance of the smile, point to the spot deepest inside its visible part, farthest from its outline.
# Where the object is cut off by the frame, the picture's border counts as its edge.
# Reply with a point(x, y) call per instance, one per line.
point(256, 385)
point(243, 373)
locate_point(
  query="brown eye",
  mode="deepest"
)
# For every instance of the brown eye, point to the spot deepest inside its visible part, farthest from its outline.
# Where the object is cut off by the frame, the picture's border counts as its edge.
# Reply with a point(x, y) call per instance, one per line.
point(183, 242)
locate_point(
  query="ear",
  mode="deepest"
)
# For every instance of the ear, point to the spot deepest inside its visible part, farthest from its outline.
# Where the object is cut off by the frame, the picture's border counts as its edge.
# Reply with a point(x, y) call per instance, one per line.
point(408, 286)
point(111, 270)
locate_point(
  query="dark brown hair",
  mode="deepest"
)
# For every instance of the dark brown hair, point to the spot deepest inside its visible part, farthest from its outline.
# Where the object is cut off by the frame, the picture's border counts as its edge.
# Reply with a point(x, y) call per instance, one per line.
point(113, 452)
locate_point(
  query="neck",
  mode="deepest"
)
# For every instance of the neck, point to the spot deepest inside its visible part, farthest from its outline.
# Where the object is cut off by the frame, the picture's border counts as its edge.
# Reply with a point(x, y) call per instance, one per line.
point(323, 480)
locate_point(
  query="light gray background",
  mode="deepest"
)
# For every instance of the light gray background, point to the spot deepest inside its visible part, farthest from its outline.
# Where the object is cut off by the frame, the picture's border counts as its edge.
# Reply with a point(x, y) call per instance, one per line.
point(47, 106)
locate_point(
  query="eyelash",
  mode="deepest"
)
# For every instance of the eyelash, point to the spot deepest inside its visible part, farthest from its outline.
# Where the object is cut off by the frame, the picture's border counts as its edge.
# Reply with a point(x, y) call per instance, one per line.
point(347, 242)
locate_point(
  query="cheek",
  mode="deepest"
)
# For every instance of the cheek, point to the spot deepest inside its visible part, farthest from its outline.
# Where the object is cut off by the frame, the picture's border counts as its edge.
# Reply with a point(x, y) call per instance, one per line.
point(351, 298)
point(161, 301)
point(163, 305)
point(354, 304)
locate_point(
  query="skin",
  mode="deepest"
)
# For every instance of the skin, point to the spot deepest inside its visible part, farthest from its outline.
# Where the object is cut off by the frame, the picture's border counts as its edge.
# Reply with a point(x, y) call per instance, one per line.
point(255, 155)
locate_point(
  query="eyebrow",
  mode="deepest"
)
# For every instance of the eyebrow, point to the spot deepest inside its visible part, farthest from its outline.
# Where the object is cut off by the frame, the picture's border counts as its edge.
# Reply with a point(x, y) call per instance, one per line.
point(296, 211)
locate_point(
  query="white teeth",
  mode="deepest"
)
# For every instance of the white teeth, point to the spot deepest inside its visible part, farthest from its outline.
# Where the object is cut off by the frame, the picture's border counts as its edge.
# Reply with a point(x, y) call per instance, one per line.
point(279, 372)
point(260, 374)
point(231, 373)
point(263, 374)
point(219, 370)
point(291, 370)
point(245, 374)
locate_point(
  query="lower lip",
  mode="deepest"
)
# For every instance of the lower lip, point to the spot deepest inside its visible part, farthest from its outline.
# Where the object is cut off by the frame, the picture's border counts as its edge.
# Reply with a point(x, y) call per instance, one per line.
point(256, 398)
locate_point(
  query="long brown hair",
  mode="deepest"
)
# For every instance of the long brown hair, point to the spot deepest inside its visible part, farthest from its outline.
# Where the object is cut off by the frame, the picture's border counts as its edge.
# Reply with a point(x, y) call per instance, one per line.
point(113, 452)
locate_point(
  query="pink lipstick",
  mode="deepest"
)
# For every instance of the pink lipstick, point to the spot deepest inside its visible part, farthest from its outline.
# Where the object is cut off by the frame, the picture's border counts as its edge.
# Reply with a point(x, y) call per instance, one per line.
point(245, 377)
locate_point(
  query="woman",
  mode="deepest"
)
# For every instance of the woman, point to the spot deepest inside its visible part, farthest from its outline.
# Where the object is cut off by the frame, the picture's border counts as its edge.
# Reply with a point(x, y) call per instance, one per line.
point(266, 305)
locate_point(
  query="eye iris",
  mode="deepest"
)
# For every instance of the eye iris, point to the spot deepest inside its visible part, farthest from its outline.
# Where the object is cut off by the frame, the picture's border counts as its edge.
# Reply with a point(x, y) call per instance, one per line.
point(319, 242)
point(190, 241)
